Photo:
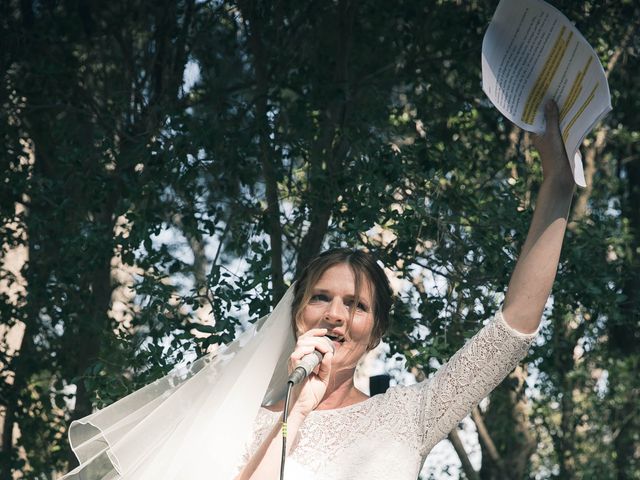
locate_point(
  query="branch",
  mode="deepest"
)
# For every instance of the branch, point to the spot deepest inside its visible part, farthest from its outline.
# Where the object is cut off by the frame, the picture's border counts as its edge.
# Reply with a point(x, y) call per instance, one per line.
point(627, 419)
point(591, 153)
point(470, 473)
point(611, 64)
point(487, 441)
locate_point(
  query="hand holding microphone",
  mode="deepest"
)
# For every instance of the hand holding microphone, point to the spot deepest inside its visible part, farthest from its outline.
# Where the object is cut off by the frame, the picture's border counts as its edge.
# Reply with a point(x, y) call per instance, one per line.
point(313, 350)
point(309, 362)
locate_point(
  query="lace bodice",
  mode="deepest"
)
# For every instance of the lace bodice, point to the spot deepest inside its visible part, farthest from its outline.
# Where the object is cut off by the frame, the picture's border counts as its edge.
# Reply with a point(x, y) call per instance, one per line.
point(390, 435)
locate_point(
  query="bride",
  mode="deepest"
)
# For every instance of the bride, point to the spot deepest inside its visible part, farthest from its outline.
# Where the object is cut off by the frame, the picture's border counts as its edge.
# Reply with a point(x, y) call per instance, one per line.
point(336, 431)
point(223, 419)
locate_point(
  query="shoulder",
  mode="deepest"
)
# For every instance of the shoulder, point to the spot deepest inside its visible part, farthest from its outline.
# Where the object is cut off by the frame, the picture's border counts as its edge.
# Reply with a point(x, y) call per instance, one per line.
point(403, 398)
point(399, 409)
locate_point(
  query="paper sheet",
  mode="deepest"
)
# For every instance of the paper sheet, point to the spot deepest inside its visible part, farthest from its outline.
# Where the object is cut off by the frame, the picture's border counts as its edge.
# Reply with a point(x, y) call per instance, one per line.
point(531, 53)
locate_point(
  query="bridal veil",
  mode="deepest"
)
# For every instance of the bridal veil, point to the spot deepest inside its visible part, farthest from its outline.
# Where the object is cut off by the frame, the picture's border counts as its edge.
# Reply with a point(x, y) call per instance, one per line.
point(194, 422)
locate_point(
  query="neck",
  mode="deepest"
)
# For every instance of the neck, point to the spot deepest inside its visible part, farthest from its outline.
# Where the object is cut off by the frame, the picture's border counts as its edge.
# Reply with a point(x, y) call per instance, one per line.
point(341, 391)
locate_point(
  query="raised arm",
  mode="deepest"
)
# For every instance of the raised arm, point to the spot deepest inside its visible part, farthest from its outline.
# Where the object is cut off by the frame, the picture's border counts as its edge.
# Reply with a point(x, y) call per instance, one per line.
point(536, 268)
point(497, 348)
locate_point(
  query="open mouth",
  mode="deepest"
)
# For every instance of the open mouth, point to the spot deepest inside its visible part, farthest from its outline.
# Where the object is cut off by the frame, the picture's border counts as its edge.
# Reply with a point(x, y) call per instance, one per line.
point(336, 338)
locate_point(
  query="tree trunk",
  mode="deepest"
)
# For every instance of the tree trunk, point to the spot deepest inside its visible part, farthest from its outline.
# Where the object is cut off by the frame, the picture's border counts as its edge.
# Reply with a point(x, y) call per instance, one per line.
point(329, 152)
point(624, 336)
point(508, 446)
point(266, 153)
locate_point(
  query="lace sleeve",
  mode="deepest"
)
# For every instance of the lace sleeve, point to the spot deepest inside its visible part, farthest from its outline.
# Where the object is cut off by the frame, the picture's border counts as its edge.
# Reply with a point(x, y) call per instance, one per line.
point(476, 369)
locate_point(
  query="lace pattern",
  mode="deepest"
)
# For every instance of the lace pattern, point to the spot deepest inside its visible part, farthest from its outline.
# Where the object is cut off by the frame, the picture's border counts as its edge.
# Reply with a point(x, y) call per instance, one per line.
point(390, 435)
point(468, 377)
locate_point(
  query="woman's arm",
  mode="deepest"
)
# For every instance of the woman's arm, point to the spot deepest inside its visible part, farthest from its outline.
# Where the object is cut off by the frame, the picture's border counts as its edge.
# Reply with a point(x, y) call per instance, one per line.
point(469, 375)
point(496, 349)
point(536, 268)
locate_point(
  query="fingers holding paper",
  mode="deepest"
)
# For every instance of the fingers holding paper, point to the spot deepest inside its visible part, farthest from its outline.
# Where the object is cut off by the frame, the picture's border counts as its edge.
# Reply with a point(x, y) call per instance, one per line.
point(555, 163)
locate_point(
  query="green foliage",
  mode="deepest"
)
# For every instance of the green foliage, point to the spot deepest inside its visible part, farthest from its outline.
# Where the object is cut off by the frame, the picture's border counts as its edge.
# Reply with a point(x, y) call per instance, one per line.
point(143, 202)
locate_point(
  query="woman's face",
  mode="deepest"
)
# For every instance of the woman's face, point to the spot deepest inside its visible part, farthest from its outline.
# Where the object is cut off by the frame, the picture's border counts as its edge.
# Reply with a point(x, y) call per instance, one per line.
point(330, 306)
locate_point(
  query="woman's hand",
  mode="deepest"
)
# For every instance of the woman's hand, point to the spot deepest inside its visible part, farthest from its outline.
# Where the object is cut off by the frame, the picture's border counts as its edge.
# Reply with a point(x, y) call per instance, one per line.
point(555, 164)
point(308, 394)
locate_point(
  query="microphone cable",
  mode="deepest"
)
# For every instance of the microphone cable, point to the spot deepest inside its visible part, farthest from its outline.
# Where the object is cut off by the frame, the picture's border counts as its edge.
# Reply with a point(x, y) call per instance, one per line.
point(285, 414)
point(302, 371)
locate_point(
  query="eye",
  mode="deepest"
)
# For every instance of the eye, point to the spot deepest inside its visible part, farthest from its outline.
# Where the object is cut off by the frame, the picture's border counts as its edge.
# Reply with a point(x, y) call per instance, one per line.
point(361, 306)
point(319, 297)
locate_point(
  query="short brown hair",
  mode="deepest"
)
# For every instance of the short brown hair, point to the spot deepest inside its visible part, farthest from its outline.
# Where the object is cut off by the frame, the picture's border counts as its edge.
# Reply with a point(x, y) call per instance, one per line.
point(363, 265)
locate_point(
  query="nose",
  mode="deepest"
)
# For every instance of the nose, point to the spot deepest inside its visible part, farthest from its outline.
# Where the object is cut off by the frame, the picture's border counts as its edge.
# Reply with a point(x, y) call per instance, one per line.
point(336, 311)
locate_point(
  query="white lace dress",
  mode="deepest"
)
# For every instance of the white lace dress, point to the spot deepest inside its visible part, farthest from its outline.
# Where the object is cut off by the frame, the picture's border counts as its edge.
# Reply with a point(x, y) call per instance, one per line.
point(389, 436)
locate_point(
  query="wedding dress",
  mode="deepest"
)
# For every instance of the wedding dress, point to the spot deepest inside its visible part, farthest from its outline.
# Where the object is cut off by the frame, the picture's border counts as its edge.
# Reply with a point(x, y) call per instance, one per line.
point(389, 436)
point(205, 419)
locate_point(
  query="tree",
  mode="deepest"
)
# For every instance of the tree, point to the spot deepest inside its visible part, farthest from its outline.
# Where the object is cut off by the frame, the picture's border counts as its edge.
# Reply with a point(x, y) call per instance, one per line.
point(159, 215)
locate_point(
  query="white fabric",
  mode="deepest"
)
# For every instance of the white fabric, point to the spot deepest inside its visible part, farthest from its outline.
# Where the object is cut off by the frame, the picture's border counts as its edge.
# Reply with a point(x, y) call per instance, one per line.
point(389, 436)
point(194, 422)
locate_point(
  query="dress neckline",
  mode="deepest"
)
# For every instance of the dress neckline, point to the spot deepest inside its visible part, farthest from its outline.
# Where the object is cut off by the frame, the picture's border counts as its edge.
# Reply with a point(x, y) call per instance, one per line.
point(364, 402)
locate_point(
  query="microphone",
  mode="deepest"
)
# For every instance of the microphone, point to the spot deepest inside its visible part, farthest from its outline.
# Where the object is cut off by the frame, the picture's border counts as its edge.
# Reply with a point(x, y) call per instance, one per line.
point(307, 364)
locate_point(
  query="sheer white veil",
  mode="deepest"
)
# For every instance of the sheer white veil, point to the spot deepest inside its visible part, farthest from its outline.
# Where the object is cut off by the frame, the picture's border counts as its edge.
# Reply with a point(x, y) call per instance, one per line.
point(194, 422)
